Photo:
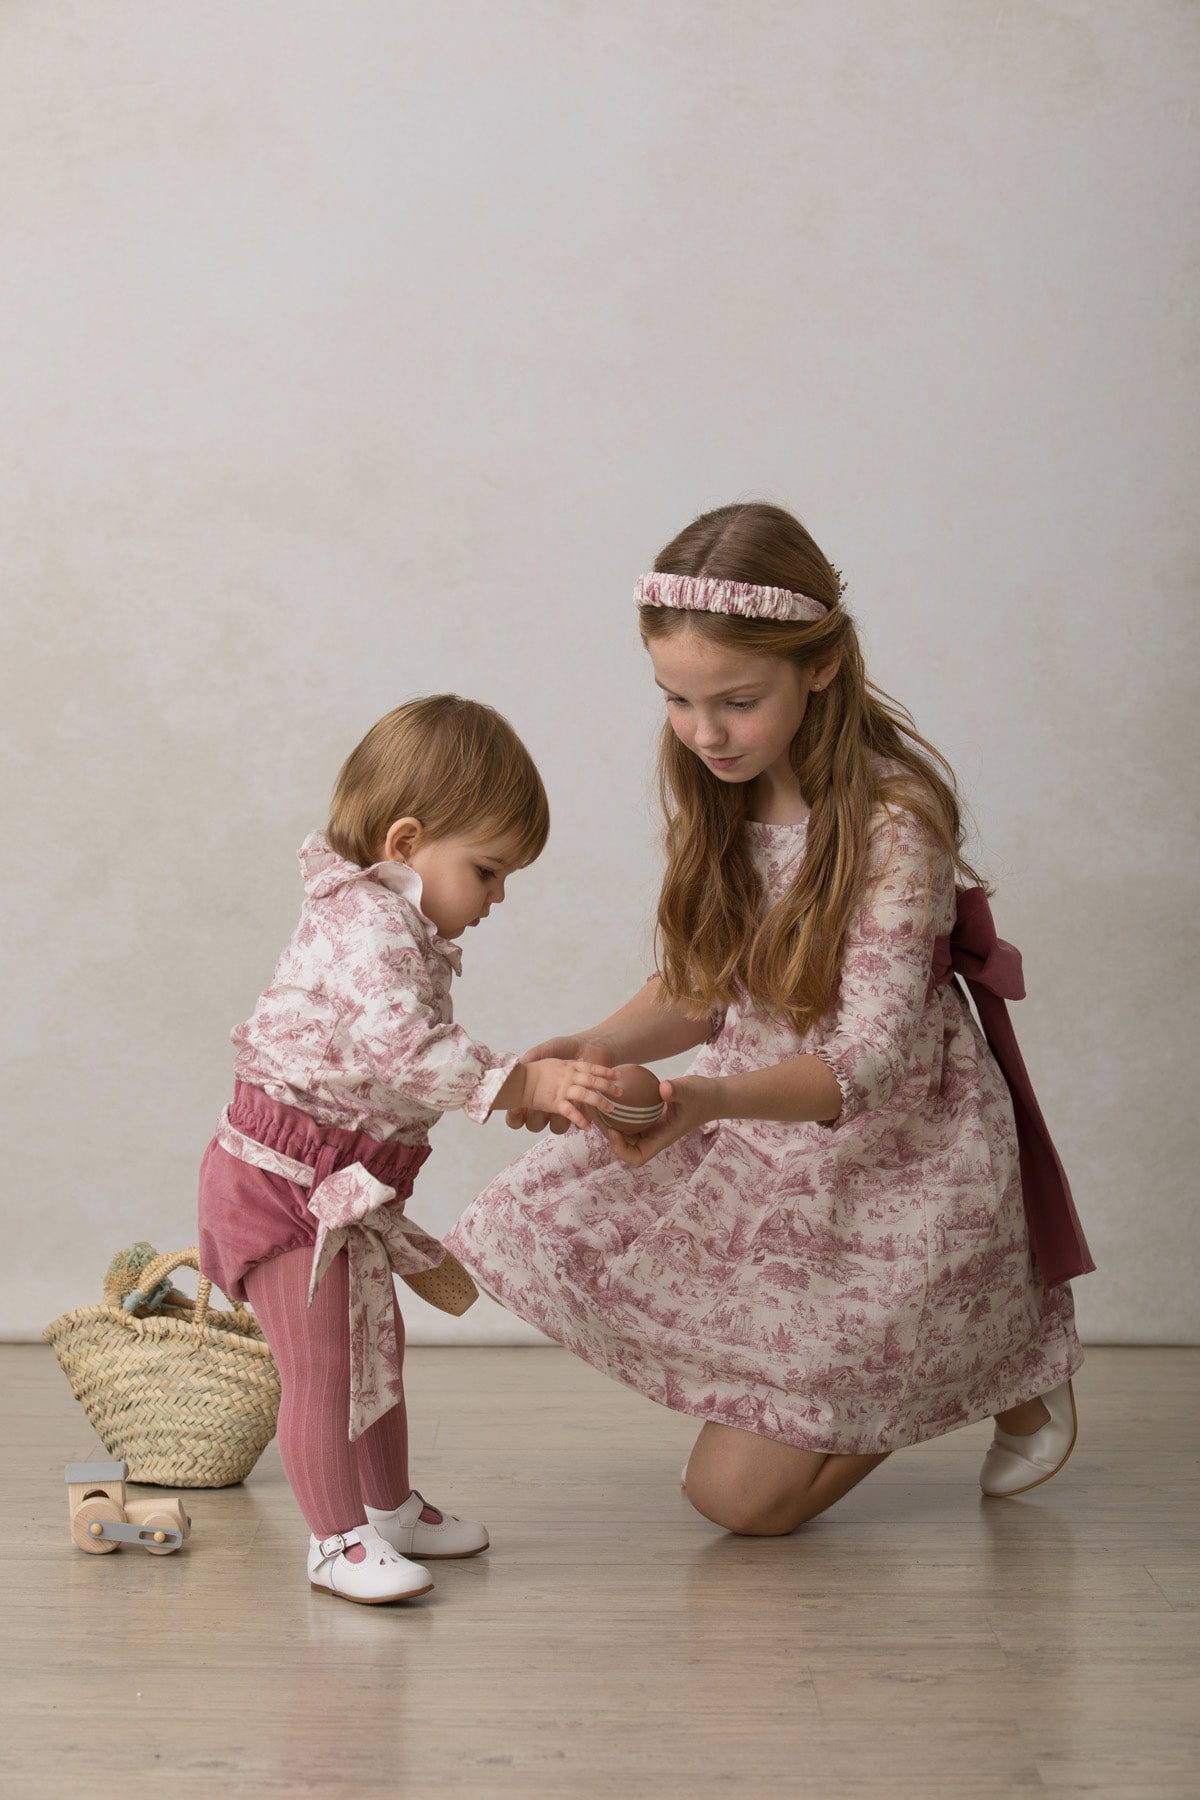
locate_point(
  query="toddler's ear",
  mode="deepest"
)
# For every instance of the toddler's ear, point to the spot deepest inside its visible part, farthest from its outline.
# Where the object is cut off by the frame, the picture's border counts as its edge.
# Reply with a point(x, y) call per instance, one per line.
point(403, 836)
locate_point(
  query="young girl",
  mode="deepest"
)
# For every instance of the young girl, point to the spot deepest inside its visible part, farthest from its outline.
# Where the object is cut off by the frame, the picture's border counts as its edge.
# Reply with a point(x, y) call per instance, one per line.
point(349, 1059)
point(823, 1250)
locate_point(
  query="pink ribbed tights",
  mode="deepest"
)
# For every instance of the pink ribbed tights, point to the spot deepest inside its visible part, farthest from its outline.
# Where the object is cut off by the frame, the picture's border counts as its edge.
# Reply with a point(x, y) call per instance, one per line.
point(330, 1477)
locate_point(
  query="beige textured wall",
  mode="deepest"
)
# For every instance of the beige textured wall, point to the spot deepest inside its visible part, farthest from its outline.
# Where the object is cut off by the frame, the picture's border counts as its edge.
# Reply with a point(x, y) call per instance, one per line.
point(352, 351)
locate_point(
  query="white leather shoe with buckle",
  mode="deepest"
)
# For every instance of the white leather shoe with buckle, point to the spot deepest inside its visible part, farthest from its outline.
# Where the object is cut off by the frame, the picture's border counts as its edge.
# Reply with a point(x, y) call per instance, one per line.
point(1013, 1465)
point(381, 1576)
point(410, 1534)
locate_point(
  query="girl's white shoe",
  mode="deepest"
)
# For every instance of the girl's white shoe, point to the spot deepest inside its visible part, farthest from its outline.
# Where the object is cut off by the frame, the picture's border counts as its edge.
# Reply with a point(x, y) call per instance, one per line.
point(380, 1577)
point(1013, 1465)
point(410, 1534)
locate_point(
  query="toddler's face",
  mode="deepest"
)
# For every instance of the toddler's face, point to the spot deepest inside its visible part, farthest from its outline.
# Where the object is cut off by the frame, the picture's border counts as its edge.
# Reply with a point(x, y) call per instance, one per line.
point(737, 711)
point(461, 879)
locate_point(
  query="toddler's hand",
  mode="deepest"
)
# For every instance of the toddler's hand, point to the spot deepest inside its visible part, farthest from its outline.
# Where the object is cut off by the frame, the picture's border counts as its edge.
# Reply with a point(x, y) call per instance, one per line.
point(564, 1087)
point(568, 1049)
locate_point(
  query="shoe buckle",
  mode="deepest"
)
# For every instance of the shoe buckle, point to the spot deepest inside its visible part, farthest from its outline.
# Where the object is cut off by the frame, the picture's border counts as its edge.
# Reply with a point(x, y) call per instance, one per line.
point(332, 1546)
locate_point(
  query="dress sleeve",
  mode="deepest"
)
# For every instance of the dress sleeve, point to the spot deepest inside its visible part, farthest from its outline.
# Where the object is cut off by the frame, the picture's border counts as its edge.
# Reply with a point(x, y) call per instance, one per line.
point(868, 1037)
point(390, 1006)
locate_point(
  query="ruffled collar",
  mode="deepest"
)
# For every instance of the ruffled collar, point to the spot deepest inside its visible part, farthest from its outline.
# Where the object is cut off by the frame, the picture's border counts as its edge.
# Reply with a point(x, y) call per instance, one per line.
point(324, 872)
point(758, 827)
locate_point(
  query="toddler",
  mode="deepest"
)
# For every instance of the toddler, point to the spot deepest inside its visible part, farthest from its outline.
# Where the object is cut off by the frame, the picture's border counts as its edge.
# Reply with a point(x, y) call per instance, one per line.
point(350, 1057)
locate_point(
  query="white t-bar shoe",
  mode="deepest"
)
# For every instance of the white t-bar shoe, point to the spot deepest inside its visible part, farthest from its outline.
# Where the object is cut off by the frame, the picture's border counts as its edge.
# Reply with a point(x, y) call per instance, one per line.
point(381, 1577)
point(410, 1534)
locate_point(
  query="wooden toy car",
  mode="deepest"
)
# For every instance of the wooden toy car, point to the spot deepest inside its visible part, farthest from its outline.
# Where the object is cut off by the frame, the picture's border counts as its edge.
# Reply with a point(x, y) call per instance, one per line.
point(102, 1519)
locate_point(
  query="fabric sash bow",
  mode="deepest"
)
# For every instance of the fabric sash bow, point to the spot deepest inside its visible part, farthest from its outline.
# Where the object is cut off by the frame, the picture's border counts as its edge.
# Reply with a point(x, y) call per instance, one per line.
point(353, 1209)
point(992, 972)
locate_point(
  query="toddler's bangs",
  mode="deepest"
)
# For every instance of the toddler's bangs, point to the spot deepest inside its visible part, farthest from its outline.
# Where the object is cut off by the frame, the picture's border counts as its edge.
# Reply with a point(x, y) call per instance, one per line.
point(521, 817)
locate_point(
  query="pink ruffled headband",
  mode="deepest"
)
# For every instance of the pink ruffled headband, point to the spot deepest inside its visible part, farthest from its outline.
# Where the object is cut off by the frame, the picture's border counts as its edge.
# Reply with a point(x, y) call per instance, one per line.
point(705, 593)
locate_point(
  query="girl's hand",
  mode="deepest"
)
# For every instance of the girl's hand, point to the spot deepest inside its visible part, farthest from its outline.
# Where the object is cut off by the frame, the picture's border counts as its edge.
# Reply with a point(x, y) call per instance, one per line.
point(564, 1087)
point(691, 1102)
point(568, 1049)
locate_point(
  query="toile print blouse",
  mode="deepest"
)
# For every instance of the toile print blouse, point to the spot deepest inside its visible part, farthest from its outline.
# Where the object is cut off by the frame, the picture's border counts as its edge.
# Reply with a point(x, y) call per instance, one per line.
point(357, 1027)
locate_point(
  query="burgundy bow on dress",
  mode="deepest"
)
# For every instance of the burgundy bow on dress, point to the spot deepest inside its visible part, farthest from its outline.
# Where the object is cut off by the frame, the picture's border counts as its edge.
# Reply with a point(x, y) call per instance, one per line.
point(992, 971)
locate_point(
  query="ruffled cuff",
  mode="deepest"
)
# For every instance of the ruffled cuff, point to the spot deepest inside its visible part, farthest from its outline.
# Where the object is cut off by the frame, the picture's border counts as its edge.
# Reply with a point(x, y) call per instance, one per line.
point(850, 1100)
point(482, 1097)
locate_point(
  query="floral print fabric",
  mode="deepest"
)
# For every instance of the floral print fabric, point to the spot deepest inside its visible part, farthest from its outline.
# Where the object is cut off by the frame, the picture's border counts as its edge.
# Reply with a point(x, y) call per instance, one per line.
point(707, 593)
point(846, 1289)
point(356, 1028)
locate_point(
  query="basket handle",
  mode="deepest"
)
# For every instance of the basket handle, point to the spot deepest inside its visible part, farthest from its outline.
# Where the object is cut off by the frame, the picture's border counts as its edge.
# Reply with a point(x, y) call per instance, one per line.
point(153, 1273)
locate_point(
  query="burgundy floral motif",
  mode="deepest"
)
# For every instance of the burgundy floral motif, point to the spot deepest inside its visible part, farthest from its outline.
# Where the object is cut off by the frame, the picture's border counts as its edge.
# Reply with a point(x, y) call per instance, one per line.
point(851, 1288)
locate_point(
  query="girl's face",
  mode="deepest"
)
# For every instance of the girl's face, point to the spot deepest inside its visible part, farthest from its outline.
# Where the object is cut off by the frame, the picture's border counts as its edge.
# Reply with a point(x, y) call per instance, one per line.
point(462, 878)
point(737, 711)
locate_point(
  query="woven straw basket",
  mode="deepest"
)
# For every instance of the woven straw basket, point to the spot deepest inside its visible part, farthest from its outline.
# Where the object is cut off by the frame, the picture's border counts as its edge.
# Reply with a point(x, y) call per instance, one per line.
point(187, 1396)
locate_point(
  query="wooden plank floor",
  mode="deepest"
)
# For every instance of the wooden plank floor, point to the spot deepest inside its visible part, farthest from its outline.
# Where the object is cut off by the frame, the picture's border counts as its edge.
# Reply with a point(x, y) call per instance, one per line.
point(917, 1641)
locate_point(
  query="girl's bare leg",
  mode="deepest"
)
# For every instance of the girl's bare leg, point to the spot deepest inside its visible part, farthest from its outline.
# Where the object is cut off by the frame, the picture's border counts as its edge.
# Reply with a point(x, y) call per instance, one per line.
point(760, 1488)
point(1024, 1420)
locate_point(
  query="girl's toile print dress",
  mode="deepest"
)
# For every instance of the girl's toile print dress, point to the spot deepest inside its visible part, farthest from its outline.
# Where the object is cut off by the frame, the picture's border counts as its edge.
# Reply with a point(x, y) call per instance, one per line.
point(847, 1289)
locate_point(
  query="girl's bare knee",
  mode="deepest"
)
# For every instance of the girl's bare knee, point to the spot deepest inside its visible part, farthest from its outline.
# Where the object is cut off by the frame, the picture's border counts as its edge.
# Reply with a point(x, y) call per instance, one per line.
point(735, 1510)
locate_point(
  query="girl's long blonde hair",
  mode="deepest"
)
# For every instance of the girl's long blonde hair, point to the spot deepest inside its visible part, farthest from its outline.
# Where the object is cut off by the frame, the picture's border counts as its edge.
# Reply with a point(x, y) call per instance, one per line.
point(855, 750)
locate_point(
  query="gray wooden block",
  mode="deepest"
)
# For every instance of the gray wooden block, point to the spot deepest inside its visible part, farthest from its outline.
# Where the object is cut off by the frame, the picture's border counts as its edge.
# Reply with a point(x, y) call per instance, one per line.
point(97, 1471)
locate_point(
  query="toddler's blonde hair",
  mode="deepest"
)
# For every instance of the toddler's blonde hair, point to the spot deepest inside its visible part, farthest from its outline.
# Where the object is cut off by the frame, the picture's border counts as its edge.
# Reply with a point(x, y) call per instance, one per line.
point(455, 765)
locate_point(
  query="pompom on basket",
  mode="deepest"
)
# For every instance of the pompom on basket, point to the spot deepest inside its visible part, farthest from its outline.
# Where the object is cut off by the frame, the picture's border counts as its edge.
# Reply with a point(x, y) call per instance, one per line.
point(186, 1395)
